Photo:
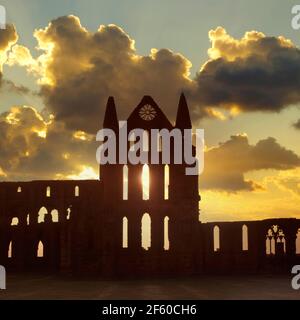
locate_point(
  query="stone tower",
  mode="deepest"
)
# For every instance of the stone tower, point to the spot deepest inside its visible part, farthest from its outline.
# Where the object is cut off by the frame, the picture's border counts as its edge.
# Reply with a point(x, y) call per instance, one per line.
point(152, 209)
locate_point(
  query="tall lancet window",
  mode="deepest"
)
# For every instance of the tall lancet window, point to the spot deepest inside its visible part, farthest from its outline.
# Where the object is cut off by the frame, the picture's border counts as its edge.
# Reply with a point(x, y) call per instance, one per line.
point(146, 181)
point(125, 182)
point(166, 182)
point(9, 254)
point(125, 233)
point(166, 233)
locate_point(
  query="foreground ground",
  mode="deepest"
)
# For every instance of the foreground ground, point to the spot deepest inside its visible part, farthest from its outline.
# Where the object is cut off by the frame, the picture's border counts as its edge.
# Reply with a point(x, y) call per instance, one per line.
point(208, 287)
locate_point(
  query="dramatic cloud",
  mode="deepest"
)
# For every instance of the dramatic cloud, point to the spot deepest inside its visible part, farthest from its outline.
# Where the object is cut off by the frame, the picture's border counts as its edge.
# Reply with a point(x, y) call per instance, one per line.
point(8, 40)
point(226, 164)
point(33, 148)
point(255, 73)
point(8, 37)
point(20, 55)
point(79, 69)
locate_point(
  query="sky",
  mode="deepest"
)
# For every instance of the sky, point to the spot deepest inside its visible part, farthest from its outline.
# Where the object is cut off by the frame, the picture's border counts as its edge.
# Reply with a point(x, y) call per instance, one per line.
point(238, 63)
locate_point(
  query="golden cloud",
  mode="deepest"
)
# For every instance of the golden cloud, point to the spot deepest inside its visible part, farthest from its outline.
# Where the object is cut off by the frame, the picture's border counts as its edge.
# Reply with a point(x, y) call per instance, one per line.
point(8, 37)
point(227, 164)
point(78, 69)
point(32, 147)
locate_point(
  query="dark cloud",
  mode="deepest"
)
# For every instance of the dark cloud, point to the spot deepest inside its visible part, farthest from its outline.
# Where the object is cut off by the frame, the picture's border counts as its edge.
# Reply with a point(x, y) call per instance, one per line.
point(8, 36)
point(226, 164)
point(32, 148)
point(79, 69)
point(255, 73)
point(84, 68)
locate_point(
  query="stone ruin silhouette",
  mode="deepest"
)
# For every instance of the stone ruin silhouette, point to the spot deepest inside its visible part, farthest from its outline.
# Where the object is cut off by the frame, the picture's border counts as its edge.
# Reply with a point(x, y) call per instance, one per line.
point(88, 227)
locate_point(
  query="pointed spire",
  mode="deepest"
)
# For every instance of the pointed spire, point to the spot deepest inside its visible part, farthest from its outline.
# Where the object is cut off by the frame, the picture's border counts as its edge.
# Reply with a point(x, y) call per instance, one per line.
point(110, 118)
point(183, 119)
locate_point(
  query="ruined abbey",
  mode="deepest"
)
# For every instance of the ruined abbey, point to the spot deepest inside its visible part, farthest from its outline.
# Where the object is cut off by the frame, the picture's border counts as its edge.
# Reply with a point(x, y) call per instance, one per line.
point(112, 227)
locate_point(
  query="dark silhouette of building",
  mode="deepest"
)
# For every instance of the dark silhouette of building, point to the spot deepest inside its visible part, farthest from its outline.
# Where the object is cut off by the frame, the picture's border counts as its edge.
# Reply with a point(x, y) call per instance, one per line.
point(95, 226)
